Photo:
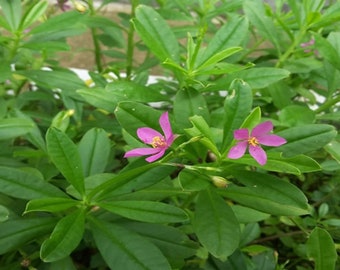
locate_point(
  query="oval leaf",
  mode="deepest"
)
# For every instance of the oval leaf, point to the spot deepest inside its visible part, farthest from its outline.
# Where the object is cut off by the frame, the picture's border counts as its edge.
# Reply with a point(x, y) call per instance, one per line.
point(65, 237)
point(14, 127)
point(321, 248)
point(26, 185)
point(64, 154)
point(268, 194)
point(216, 225)
point(119, 246)
point(147, 211)
point(305, 138)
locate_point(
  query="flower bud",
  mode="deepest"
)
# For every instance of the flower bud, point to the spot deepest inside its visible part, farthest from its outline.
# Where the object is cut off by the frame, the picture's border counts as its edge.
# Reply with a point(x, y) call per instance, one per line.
point(80, 7)
point(219, 181)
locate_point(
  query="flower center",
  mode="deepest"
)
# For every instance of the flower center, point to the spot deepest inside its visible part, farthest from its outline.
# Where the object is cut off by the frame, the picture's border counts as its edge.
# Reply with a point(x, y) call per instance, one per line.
point(253, 141)
point(158, 142)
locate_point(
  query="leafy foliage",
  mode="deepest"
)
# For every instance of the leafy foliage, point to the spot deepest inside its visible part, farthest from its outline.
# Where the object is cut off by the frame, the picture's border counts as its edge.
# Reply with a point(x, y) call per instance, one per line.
point(68, 198)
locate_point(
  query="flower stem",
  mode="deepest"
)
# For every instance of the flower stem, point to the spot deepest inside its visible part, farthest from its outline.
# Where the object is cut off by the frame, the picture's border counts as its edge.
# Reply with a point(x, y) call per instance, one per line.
point(130, 40)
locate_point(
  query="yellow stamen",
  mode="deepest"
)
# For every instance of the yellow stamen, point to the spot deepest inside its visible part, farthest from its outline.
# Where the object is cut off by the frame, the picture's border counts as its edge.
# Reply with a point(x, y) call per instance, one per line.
point(253, 141)
point(158, 142)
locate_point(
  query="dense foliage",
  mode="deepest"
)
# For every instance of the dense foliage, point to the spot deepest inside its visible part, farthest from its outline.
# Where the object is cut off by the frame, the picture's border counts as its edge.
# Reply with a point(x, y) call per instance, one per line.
point(229, 159)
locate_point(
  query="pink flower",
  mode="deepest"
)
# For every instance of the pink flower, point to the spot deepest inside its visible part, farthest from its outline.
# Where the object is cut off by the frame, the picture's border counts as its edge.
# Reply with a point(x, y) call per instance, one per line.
point(307, 44)
point(152, 137)
point(259, 135)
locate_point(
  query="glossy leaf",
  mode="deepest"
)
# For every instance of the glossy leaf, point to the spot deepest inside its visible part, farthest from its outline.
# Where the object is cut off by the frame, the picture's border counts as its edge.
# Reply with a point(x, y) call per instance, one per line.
point(321, 249)
point(305, 138)
point(33, 14)
point(326, 49)
point(26, 184)
point(333, 148)
point(50, 204)
point(295, 115)
point(94, 149)
point(260, 77)
point(193, 180)
point(268, 194)
point(65, 80)
point(65, 237)
point(237, 106)
point(229, 35)
point(201, 128)
point(216, 225)
point(15, 233)
point(172, 242)
point(189, 102)
point(108, 98)
point(12, 11)
point(14, 127)
point(255, 12)
point(64, 154)
point(146, 211)
point(119, 246)
point(156, 34)
point(294, 165)
point(133, 115)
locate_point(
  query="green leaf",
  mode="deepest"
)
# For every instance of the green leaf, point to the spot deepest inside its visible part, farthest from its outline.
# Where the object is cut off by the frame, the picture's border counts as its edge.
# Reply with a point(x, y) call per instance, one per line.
point(216, 225)
point(201, 128)
point(189, 102)
point(193, 180)
point(237, 106)
point(65, 80)
point(248, 215)
point(276, 163)
point(255, 12)
point(94, 149)
point(156, 34)
point(328, 52)
point(261, 77)
point(119, 246)
point(295, 115)
point(5, 70)
point(146, 211)
point(12, 10)
point(14, 127)
point(268, 194)
point(65, 263)
point(60, 26)
point(4, 213)
point(65, 237)
point(230, 34)
point(217, 57)
point(50, 204)
point(133, 115)
point(33, 14)
point(15, 233)
point(26, 185)
point(64, 154)
point(173, 243)
point(119, 180)
point(321, 249)
point(118, 91)
point(333, 148)
point(305, 138)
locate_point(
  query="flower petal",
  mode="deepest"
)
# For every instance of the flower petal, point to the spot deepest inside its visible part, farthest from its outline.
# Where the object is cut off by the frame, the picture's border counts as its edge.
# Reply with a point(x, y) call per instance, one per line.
point(262, 129)
point(141, 152)
point(238, 150)
point(156, 156)
point(271, 140)
point(241, 134)
point(147, 134)
point(166, 127)
point(258, 154)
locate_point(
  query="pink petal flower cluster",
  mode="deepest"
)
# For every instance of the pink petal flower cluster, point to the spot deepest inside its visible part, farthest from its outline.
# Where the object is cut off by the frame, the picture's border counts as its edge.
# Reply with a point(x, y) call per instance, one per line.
point(259, 135)
point(160, 143)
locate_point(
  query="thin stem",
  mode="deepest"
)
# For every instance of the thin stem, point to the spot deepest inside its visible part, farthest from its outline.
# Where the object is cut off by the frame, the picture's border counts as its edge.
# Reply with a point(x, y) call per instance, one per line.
point(96, 44)
point(130, 40)
point(328, 104)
